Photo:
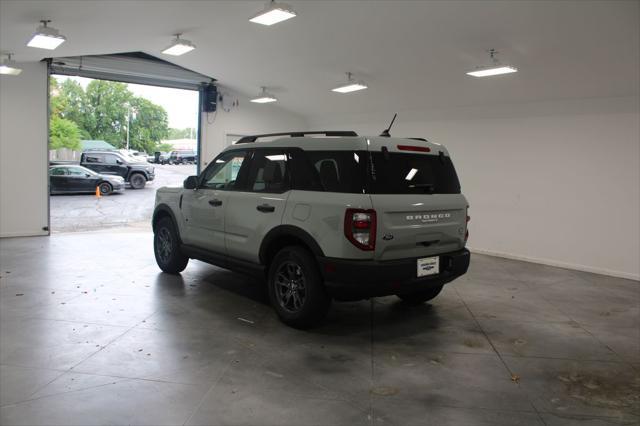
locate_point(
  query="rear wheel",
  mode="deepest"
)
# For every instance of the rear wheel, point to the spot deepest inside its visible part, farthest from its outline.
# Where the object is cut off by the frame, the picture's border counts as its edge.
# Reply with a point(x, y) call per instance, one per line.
point(105, 188)
point(421, 296)
point(296, 290)
point(166, 247)
point(137, 181)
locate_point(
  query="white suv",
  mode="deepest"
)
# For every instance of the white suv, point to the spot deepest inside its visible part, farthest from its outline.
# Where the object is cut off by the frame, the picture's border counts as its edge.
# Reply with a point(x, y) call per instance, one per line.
point(336, 217)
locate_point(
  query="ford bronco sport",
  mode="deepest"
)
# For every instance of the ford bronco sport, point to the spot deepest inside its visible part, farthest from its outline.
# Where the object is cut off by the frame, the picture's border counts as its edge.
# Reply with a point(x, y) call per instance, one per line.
point(337, 217)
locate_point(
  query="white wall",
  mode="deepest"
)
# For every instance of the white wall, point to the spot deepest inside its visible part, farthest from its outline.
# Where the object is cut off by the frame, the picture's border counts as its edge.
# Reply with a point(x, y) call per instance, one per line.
point(556, 183)
point(23, 152)
point(246, 119)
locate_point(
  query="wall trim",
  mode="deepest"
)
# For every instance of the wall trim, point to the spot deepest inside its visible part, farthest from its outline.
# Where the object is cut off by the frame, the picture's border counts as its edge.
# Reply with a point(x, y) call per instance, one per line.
point(558, 264)
point(24, 234)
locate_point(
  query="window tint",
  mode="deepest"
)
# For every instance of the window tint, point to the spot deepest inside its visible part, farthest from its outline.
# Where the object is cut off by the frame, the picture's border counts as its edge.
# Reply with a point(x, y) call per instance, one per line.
point(94, 158)
point(57, 171)
point(77, 171)
point(223, 171)
point(330, 171)
point(412, 173)
point(268, 172)
point(111, 159)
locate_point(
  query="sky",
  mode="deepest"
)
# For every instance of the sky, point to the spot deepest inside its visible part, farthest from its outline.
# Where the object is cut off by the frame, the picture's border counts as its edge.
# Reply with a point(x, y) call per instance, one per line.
point(181, 105)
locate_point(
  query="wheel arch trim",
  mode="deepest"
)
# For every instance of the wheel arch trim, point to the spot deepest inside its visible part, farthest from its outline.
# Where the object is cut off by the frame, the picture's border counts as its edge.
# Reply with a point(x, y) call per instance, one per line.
point(288, 231)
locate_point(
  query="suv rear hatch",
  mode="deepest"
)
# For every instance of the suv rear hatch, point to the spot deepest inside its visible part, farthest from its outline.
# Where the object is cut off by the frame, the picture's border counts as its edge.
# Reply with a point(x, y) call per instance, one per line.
point(415, 192)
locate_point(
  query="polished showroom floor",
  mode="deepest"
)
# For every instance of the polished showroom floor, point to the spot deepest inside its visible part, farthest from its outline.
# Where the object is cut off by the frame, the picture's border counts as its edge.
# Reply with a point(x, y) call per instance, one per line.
point(91, 333)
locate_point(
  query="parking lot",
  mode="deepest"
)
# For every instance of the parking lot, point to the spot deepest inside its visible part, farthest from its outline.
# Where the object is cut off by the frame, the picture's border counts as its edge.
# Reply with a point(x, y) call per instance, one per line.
point(129, 208)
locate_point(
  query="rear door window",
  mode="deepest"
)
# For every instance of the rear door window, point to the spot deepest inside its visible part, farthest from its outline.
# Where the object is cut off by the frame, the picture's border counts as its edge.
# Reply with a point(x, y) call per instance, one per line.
point(329, 171)
point(396, 173)
point(268, 172)
point(94, 158)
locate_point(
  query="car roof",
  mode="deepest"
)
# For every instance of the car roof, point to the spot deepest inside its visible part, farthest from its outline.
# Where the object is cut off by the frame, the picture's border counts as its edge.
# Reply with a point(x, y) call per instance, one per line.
point(348, 143)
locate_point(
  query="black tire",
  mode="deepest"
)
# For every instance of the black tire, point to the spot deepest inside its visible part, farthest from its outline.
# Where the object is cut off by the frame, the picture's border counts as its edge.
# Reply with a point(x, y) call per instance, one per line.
point(166, 247)
point(296, 289)
point(137, 180)
point(105, 188)
point(420, 296)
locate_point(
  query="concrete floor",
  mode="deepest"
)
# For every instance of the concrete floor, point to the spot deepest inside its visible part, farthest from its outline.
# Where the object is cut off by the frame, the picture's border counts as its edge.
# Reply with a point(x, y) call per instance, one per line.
point(92, 333)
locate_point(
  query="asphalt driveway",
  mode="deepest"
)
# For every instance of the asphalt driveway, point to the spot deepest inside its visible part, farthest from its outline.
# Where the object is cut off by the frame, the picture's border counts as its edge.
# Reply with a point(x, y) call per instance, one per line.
point(132, 207)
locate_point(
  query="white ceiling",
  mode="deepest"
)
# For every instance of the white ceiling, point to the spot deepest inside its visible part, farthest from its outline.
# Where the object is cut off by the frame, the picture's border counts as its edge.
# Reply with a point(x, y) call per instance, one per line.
point(413, 54)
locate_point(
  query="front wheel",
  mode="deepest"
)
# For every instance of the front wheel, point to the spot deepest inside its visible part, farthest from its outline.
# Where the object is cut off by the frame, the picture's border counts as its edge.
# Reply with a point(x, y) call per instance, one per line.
point(296, 289)
point(105, 188)
point(417, 297)
point(137, 181)
point(166, 247)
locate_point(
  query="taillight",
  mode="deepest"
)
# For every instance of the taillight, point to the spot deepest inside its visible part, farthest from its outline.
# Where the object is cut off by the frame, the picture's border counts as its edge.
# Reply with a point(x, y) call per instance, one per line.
point(360, 228)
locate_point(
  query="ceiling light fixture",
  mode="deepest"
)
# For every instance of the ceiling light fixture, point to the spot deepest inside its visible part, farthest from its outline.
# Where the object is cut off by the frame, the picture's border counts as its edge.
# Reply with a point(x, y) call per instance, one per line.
point(273, 13)
point(46, 37)
point(9, 67)
point(496, 68)
point(179, 46)
point(351, 86)
point(264, 97)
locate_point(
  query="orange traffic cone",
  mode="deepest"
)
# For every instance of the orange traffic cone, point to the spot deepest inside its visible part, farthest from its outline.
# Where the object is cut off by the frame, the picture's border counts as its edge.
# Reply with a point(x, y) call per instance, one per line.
point(98, 192)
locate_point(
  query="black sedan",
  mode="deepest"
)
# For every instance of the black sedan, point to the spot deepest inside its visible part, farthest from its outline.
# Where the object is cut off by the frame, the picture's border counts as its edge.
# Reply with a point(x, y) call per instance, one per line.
point(78, 179)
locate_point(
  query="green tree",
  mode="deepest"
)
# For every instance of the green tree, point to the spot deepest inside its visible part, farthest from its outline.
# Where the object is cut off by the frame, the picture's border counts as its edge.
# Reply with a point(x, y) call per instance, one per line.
point(149, 125)
point(106, 115)
point(64, 133)
point(102, 112)
point(164, 147)
point(186, 133)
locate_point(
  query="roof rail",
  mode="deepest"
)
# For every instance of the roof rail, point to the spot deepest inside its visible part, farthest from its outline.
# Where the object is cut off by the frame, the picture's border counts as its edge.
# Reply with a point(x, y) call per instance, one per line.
point(251, 139)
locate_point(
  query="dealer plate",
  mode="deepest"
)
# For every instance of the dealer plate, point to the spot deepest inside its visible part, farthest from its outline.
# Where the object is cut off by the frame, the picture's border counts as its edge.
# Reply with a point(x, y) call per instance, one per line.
point(428, 266)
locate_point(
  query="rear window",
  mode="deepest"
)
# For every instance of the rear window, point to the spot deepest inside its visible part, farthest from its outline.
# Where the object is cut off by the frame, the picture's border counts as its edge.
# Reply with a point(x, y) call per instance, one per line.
point(395, 173)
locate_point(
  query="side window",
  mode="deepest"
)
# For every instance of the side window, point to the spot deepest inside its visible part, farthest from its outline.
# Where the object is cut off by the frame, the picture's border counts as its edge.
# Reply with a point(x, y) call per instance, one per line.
point(74, 171)
point(112, 159)
point(223, 172)
point(334, 171)
point(268, 172)
point(58, 171)
point(94, 158)
point(304, 176)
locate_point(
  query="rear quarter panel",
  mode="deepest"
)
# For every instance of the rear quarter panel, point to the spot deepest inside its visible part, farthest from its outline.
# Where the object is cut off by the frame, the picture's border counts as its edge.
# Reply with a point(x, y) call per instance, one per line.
point(321, 215)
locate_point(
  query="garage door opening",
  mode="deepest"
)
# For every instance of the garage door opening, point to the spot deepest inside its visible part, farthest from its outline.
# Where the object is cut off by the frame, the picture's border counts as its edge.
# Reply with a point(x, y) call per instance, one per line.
point(112, 144)
point(120, 126)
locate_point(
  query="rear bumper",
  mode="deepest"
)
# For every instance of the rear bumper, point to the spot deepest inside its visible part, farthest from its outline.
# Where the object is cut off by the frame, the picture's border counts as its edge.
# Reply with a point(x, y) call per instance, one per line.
point(360, 279)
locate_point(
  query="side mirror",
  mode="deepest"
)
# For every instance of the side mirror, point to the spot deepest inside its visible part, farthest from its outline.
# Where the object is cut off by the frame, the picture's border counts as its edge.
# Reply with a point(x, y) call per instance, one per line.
point(118, 162)
point(87, 175)
point(191, 182)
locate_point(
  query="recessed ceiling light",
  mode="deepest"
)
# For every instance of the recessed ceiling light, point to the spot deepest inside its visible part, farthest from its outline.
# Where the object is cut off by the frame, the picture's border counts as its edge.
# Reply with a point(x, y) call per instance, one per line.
point(9, 67)
point(264, 97)
point(494, 69)
point(350, 86)
point(46, 37)
point(179, 46)
point(273, 13)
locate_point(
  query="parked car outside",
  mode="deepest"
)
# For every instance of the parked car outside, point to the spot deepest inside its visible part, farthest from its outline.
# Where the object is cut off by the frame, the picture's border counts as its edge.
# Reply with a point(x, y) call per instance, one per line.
point(158, 157)
point(183, 157)
point(135, 171)
point(322, 218)
point(78, 180)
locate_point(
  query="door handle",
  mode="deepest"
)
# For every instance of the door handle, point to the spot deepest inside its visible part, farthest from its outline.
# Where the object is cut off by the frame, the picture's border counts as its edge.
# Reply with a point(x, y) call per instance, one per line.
point(215, 203)
point(266, 208)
